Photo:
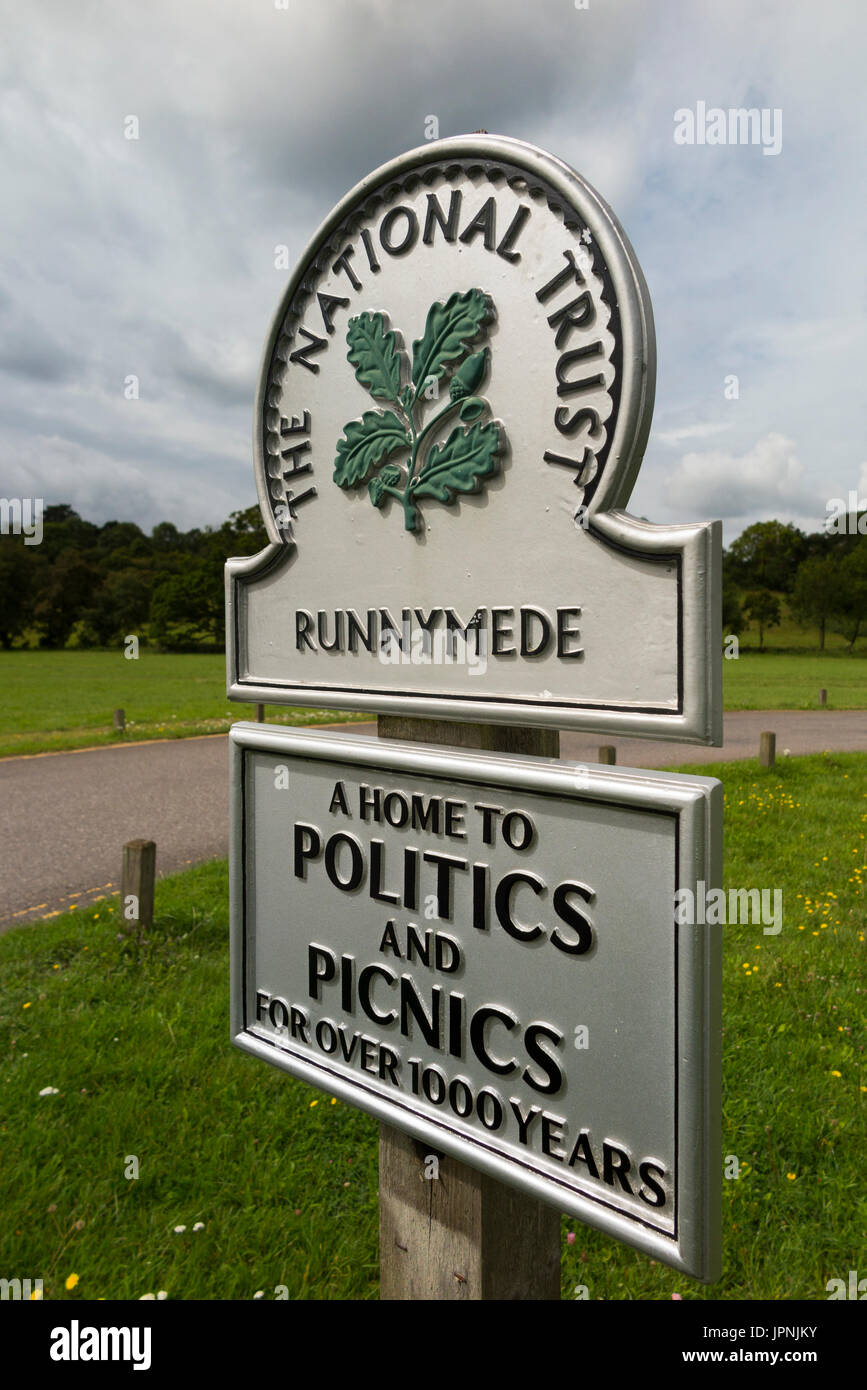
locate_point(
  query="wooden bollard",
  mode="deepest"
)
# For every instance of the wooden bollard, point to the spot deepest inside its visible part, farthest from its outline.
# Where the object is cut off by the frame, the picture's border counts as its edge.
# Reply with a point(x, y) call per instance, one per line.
point(823, 698)
point(447, 1231)
point(607, 753)
point(767, 749)
point(137, 885)
point(260, 714)
point(120, 720)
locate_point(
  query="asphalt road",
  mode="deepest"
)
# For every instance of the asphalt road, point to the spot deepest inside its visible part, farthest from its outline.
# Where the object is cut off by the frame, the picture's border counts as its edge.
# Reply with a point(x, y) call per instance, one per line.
point(65, 816)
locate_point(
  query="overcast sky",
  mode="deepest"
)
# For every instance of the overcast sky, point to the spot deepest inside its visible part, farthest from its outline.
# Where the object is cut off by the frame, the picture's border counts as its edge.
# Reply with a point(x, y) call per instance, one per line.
point(155, 257)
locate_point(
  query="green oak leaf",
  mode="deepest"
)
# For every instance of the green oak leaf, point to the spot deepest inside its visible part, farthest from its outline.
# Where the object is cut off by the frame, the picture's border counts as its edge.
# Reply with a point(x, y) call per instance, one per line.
point(366, 443)
point(374, 353)
point(460, 464)
point(449, 330)
point(471, 408)
point(376, 487)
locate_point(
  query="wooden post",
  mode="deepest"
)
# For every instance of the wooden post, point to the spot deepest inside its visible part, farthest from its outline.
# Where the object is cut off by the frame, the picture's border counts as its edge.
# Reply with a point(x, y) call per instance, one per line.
point(767, 749)
point(137, 885)
point(823, 698)
point(260, 714)
point(120, 720)
point(607, 753)
point(461, 1235)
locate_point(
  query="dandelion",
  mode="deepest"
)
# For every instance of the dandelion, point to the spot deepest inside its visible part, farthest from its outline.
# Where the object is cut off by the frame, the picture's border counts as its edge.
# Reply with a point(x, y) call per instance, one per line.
point(71, 1281)
point(791, 1176)
point(333, 1100)
point(36, 1295)
point(836, 1073)
point(313, 1102)
point(28, 1005)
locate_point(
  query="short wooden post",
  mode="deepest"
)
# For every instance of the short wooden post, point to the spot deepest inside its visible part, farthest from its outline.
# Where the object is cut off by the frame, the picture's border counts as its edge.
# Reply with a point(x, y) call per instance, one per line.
point(823, 698)
point(767, 749)
point(260, 714)
point(607, 753)
point(461, 1235)
point(120, 720)
point(137, 885)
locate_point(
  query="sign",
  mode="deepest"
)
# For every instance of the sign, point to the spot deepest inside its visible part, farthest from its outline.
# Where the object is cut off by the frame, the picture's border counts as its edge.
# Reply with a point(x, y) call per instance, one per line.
point(485, 952)
point(453, 405)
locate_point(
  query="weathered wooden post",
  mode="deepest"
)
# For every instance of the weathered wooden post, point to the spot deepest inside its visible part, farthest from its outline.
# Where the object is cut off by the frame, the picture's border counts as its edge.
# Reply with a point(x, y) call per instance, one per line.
point(120, 720)
point(138, 873)
point(823, 698)
point(474, 922)
point(767, 749)
point(608, 754)
point(461, 1235)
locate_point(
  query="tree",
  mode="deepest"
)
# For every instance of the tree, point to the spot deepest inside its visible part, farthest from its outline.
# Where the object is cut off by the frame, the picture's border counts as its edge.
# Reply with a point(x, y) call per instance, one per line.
point(732, 614)
point(851, 614)
point(19, 568)
point(819, 588)
point(762, 607)
point(65, 588)
point(187, 609)
point(766, 556)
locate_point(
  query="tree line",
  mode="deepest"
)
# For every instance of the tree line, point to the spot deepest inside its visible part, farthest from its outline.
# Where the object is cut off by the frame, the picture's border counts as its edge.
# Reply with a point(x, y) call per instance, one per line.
point(92, 586)
point(822, 577)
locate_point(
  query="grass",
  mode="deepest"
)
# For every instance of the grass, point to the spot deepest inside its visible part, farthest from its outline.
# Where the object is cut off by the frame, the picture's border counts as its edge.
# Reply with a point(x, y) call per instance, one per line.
point(135, 1039)
point(775, 680)
point(66, 699)
point(790, 636)
point(61, 700)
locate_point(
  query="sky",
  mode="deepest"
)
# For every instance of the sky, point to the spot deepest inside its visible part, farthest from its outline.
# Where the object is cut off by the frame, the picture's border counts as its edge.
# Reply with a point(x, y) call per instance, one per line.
point(154, 257)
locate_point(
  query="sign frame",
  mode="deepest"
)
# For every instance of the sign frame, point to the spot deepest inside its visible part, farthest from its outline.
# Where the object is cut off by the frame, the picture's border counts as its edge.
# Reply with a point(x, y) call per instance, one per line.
point(696, 803)
point(693, 549)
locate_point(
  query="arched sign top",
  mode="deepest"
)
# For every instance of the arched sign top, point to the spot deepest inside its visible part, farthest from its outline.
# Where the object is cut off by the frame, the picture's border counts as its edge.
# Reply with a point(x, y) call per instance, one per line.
point(557, 253)
point(453, 405)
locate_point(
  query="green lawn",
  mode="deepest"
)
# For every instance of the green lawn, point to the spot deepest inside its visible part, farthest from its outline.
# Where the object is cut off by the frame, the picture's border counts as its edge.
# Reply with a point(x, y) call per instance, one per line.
point(777, 680)
point(66, 699)
point(135, 1039)
point(56, 700)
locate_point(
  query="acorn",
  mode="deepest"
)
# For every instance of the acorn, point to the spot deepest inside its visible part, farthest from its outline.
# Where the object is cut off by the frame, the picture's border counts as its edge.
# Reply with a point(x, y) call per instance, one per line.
point(468, 376)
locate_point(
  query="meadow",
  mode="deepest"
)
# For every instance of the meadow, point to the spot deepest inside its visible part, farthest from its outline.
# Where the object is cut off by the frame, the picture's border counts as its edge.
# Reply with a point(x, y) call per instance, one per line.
point(53, 700)
point(65, 699)
point(250, 1182)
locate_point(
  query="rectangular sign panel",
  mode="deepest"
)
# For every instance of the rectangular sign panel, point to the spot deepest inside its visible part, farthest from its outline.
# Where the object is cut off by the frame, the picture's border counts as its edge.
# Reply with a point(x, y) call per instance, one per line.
point(484, 952)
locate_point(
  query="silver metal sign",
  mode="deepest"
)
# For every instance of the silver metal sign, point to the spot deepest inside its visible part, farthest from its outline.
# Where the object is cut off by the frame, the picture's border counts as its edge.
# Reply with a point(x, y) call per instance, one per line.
point(485, 952)
point(453, 405)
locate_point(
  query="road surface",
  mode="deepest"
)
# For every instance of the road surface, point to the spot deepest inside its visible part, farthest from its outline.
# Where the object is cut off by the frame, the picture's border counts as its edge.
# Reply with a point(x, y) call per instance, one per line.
point(65, 816)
